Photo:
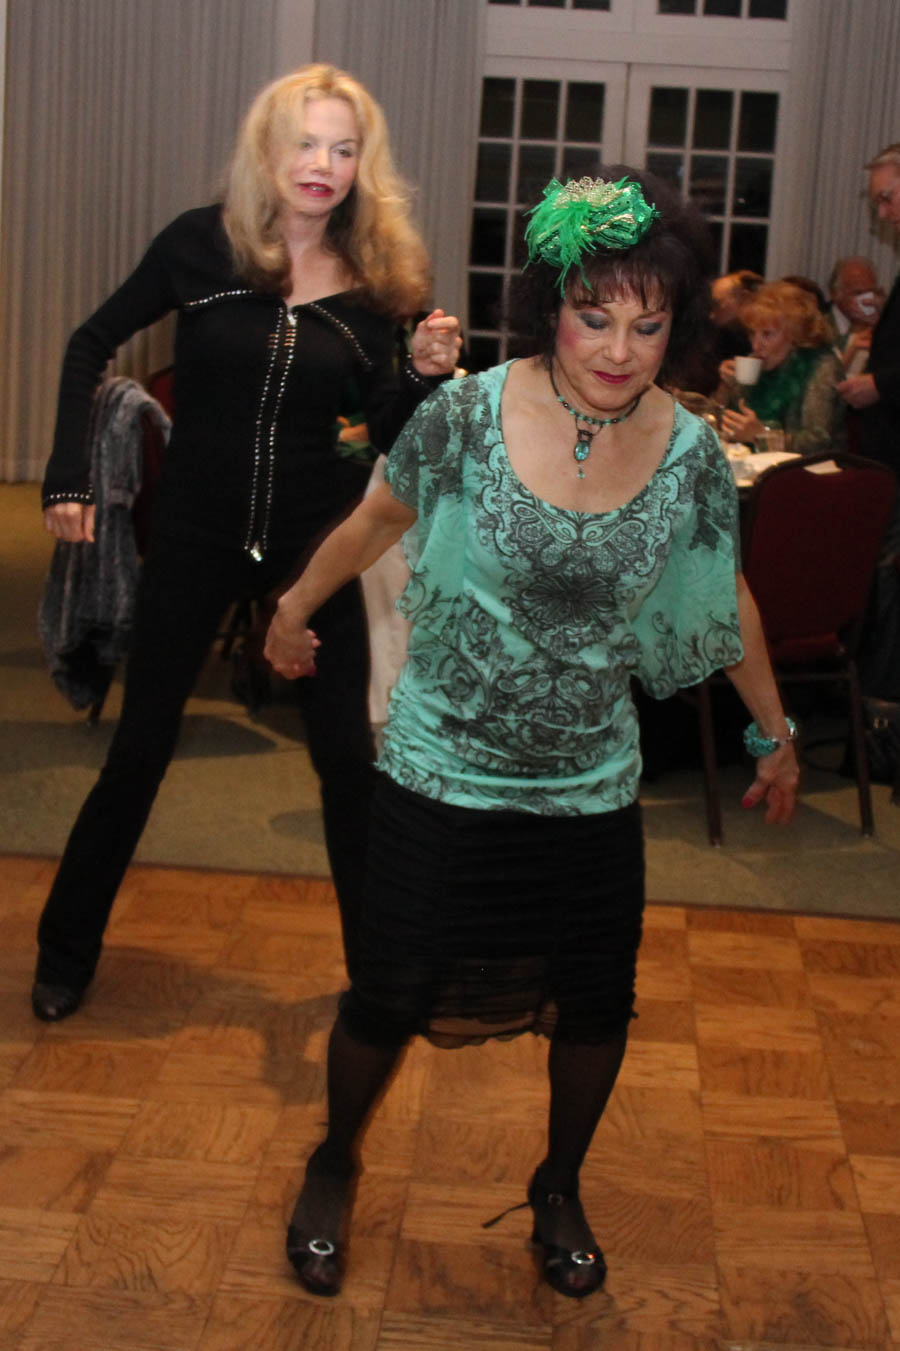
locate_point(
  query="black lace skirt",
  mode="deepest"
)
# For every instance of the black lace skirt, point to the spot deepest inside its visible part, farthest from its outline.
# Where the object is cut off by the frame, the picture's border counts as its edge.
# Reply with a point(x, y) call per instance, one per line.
point(491, 923)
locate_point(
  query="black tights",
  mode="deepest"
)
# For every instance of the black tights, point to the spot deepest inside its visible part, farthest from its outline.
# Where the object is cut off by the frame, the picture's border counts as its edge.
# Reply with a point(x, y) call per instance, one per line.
point(581, 1080)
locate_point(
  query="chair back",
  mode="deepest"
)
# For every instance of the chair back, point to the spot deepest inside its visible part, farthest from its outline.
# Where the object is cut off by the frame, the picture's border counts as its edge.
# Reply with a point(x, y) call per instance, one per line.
point(812, 538)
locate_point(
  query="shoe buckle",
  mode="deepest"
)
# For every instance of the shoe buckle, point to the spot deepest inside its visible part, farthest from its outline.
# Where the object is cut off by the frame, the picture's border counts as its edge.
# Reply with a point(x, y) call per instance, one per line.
point(322, 1247)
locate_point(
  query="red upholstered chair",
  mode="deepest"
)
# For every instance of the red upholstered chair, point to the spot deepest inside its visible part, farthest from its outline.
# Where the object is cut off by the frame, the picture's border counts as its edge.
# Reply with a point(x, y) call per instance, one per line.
point(811, 539)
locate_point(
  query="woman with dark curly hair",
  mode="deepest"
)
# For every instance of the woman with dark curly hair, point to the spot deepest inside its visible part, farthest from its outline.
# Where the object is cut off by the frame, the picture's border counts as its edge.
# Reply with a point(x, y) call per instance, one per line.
point(569, 527)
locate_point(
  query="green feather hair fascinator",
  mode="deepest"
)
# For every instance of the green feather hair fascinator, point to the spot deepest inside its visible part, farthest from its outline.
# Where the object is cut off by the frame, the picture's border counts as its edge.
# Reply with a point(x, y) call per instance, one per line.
point(579, 217)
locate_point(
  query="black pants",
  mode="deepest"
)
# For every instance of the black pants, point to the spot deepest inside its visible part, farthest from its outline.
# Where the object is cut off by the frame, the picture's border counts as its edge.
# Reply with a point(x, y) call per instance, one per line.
point(184, 593)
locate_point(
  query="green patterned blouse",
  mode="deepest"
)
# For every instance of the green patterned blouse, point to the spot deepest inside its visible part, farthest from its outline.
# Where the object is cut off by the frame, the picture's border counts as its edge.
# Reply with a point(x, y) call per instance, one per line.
point(529, 620)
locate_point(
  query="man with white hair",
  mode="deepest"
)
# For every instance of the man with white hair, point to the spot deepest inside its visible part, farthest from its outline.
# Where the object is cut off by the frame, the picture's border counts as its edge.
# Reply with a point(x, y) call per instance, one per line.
point(877, 390)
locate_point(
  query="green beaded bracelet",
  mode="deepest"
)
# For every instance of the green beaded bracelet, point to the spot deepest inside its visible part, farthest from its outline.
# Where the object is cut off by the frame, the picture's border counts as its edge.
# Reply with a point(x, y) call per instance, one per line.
point(759, 745)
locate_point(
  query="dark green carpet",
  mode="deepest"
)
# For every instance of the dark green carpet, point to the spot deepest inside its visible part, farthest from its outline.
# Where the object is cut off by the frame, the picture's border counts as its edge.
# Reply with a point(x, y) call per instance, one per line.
point(241, 795)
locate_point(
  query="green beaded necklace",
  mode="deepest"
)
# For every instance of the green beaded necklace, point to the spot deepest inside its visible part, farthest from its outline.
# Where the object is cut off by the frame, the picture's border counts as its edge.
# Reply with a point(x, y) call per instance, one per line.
point(585, 437)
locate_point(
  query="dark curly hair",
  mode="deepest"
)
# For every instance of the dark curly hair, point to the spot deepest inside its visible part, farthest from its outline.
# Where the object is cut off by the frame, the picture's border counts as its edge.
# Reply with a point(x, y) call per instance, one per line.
point(672, 266)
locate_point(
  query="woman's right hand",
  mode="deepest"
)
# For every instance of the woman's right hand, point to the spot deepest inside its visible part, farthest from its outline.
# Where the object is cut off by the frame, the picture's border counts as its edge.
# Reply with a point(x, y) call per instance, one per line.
point(290, 650)
point(71, 521)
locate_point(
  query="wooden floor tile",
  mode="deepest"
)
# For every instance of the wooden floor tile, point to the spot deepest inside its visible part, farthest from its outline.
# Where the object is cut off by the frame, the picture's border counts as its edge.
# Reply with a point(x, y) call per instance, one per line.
point(769, 1237)
point(871, 1127)
point(749, 951)
point(113, 1320)
point(18, 1301)
point(127, 1252)
point(649, 1299)
point(409, 1332)
point(772, 1173)
point(781, 1307)
point(32, 1242)
point(65, 1065)
point(495, 1282)
point(205, 1191)
point(877, 1180)
point(54, 1178)
point(208, 1132)
point(95, 1123)
point(764, 1073)
point(743, 1182)
point(238, 1322)
point(649, 1063)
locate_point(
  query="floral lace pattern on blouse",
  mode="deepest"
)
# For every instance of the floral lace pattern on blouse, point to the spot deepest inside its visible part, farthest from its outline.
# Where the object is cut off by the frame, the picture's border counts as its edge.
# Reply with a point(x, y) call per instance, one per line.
point(529, 620)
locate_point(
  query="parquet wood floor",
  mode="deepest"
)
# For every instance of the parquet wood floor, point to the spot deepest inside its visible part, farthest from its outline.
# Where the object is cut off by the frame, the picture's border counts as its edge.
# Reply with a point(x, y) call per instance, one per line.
point(745, 1182)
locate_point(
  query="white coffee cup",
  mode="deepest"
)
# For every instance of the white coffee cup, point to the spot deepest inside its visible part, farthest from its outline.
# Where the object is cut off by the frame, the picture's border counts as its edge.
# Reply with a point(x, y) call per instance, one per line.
point(747, 369)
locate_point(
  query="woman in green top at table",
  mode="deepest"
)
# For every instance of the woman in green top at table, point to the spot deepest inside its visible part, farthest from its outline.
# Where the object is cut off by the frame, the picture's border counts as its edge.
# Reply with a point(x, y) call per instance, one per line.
point(568, 527)
point(796, 387)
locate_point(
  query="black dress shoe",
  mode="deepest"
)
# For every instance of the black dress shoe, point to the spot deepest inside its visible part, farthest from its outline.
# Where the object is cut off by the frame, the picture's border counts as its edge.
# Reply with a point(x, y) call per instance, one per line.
point(315, 1236)
point(573, 1272)
point(51, 1003)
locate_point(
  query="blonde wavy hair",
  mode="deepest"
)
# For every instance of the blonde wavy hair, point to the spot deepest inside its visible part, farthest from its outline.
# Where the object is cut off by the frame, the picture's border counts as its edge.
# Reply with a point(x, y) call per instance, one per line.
point(790, 308)
point(370, 231)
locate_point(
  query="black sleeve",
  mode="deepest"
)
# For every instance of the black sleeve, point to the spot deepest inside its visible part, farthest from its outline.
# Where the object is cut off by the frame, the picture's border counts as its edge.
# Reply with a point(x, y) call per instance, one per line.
point(143, 298)
point(393, 391)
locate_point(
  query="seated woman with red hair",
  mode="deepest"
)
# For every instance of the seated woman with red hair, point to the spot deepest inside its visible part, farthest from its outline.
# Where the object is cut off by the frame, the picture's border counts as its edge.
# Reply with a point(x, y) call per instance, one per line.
point(796, 387)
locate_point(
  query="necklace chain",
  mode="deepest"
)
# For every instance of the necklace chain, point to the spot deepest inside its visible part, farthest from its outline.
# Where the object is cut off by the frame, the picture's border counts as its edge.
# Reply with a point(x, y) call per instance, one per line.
point(585, 437)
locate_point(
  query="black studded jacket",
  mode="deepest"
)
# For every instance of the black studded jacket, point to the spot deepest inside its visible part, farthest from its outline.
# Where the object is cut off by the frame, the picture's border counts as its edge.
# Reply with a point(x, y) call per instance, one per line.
point(253, 461)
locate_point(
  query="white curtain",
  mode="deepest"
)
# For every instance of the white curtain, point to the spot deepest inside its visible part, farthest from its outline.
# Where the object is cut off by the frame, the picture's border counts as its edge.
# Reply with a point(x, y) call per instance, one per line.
point(118, 115)
point(844, 106)
point(422, 60)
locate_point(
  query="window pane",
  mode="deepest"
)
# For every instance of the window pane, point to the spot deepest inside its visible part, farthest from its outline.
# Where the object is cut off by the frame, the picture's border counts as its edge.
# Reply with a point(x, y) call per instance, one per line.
point(584, 112)
point(668, 167)
point(726, 9)
point(712, 119)
point(497, 104)
point(677, 7)
point(492, 176)
point(536, 168)
point(485, 296)
point(717, 230)
point(488, 238)
point(590, 4)
point(768, 9)
point(580, 162)
point(482, 353)
point(752, 187)
point(757, 122)
point(504, 2)
point(748, 248)
point(709, 178)
point(520, 252)
point(540, 105)
point(668, 117)
point(549, 4)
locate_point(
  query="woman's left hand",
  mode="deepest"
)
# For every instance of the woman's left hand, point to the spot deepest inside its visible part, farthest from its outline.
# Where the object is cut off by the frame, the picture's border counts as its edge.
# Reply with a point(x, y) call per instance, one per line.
point(290, 649)
point(776, 783)
point(435, 344)
point(743, 425)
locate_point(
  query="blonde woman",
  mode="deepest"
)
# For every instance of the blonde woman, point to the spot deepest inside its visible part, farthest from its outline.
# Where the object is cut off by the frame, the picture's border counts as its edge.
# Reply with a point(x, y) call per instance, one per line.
point(796, 387)
point(288, 295)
